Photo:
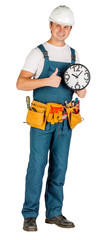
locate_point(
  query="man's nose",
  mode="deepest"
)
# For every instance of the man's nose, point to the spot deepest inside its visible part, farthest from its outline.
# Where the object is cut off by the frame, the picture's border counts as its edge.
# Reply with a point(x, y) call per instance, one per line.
point(61, 29)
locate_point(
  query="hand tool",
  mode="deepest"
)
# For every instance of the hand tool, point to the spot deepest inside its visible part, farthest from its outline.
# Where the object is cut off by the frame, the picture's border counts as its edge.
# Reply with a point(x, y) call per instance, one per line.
point(28, 102)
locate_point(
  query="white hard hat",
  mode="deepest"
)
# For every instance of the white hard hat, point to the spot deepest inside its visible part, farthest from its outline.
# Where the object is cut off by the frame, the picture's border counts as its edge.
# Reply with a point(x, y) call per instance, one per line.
point(62, 15)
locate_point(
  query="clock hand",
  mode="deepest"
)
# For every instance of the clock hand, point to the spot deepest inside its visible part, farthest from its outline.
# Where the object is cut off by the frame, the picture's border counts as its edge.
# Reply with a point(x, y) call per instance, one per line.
point(74, 75)
point(79, 74)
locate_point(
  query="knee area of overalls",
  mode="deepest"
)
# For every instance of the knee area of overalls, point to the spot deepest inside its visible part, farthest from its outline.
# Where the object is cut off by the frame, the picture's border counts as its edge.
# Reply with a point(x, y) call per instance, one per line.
point(37, 163)
point(35, 174)
point(57, 181)
point(58, 175)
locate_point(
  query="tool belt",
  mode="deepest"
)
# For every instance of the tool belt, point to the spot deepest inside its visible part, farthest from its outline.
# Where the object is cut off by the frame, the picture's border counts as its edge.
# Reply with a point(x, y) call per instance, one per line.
point(39, 113)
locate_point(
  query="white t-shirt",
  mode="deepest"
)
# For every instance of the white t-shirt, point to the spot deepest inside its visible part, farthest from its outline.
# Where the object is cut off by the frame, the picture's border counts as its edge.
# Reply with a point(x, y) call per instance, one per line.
point(34, 62)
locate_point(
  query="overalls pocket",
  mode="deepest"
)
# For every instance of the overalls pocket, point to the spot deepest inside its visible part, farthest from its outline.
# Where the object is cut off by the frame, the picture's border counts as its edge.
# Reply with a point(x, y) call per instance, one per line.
point(74, 118)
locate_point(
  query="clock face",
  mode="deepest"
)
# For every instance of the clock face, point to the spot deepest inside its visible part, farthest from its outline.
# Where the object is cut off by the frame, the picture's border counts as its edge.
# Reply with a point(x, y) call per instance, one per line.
point(77, 76)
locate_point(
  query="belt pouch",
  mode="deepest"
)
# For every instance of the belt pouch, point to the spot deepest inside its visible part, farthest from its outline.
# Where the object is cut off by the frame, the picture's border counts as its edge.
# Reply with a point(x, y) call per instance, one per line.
point(74, 118)
point(36, 115)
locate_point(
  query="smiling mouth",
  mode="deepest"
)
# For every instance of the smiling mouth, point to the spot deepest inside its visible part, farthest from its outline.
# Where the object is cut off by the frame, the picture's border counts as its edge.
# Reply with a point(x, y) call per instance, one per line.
point(60, 35)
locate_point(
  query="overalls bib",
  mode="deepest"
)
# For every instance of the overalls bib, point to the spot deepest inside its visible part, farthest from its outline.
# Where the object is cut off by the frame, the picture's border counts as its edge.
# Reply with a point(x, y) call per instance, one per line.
point(44, 141)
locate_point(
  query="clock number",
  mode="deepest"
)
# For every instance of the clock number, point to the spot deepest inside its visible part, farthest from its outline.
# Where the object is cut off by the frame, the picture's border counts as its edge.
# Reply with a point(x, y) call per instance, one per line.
point(73, 67)
point(67, 77)
point(77, 86)
point(76, 68)
point(87, 76)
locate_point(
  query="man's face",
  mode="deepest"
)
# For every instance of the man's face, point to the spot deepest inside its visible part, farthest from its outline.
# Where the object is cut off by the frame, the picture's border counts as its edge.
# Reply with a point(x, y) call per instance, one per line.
point(59, 32)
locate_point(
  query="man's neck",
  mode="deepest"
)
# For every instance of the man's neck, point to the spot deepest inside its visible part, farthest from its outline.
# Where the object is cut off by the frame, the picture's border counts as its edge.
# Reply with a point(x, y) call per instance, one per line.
point(56, 43)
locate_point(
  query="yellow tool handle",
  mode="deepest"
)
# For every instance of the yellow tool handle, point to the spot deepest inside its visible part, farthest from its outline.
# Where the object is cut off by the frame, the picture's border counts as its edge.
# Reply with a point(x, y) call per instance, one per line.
point(28, 102)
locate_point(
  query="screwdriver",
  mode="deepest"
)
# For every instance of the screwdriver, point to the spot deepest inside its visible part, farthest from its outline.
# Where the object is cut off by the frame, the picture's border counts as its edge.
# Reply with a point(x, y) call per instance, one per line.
point(28, 102)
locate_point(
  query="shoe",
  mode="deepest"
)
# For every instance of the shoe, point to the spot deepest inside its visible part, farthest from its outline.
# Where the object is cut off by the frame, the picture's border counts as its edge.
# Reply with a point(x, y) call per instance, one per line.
point(60, 221)
point(30, 224)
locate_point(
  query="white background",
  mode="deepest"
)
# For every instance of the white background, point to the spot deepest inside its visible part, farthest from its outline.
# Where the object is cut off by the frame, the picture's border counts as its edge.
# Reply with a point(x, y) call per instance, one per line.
point(24, 25)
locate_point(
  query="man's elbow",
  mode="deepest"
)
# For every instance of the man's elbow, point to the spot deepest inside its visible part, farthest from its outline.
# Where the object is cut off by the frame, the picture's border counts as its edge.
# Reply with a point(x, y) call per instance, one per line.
point(19, 84)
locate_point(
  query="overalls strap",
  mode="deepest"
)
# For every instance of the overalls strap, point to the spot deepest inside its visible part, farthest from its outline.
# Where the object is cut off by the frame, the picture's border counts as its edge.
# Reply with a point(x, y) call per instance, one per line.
point(44, 51)
point(73, 57)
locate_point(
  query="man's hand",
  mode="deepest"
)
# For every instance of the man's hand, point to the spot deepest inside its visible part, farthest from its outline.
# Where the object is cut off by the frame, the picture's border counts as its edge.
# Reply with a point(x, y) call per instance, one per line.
point(54, 80)
point(81, 93)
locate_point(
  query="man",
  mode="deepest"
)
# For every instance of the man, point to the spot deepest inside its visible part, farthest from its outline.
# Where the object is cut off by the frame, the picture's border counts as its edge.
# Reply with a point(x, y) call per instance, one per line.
point(46, 64)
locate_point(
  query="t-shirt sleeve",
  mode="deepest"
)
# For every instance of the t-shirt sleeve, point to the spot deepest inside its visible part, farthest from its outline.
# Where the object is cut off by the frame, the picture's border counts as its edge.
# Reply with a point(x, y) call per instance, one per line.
point(32, 60)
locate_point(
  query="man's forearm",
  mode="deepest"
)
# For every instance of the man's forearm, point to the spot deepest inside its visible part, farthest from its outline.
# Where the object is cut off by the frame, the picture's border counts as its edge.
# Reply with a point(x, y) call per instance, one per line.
point(28, 84)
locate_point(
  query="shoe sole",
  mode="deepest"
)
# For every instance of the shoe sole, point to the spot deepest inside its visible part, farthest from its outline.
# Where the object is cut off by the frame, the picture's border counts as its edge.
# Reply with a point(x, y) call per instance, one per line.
point(59, 225)
point(30, 230)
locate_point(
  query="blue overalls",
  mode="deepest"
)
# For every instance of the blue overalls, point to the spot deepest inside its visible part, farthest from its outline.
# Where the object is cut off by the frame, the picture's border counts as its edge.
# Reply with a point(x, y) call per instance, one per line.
point(48, 140)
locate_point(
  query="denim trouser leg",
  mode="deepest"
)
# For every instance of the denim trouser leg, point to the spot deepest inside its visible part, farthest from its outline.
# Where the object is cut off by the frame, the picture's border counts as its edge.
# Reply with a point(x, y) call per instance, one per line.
point(40, 142)
point(56, 174)
point(39, 146)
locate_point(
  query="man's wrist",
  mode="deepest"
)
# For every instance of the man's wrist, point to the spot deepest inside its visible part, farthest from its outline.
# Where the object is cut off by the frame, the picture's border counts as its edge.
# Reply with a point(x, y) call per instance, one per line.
point(45, 82)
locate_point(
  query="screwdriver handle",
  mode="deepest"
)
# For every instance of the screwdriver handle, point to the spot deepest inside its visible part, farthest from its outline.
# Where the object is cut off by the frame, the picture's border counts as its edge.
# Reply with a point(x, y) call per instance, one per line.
point(28, 102)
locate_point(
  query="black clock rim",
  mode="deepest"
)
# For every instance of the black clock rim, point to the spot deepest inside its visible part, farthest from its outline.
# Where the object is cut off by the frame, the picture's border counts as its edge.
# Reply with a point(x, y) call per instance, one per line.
point(74, 89)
